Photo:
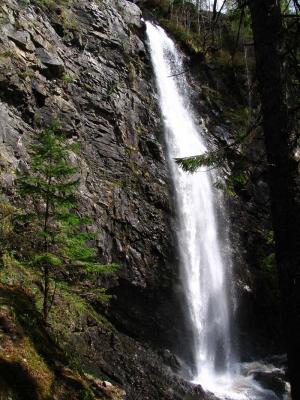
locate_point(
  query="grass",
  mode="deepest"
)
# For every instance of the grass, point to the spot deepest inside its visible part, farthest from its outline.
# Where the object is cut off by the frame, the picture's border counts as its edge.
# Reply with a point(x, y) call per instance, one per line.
point(4, 19)
point(76, 309)
point(67, 78)
point(26, 74)
point(29, 348)
point(13, 273)
point(60, 10)
point(22, 351)
point(52, 4)
point(69, 311)
point(17, 350)
point(7, 54)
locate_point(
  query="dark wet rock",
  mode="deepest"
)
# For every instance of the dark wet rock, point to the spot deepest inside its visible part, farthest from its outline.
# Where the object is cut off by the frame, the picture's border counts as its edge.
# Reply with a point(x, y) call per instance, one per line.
point(261, 194)
point(274, 381)
point(270, 373)
point(151, 148)
point(278, 360)
point(140, 371)
point(39, 92)
point(171, 360)
point(54, 64)
point(224, 135)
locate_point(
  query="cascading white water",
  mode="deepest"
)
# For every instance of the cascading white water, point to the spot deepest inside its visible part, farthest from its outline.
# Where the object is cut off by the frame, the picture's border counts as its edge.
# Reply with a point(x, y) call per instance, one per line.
point(204, 271)
point(204, 275)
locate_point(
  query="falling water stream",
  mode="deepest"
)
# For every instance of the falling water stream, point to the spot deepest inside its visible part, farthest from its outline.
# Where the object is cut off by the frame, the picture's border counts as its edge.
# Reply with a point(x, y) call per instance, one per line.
point(205, 271)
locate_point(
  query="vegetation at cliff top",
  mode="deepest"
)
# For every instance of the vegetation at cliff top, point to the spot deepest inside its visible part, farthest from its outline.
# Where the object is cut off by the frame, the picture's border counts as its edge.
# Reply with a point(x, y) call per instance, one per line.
point(217, 36)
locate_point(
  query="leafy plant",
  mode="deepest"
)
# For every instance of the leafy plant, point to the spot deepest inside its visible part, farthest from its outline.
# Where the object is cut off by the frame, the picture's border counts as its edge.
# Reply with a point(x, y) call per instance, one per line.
point(67, 78)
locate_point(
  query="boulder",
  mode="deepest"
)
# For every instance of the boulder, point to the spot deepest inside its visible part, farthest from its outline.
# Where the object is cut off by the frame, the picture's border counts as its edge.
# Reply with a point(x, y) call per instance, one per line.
point(22, 40)
point(130, 12)
point(54, 65)
point(273, 380)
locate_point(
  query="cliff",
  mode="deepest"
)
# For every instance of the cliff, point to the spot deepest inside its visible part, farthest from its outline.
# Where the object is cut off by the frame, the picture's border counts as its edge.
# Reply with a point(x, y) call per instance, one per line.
point(85, 65)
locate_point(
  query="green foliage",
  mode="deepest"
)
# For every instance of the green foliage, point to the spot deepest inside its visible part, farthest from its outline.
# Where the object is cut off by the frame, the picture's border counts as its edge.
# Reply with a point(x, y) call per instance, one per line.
point(269, 237)
point(192, 40)
point(67, 78)
point(75, 248)
point(269, 263)
point(14, 273)
point(219, 39)
point(101, 268)
point(208, 159)
point(232, 183)
point(50, 178)
point(47, 259)
point(60, 11)
point(232, 158)
point(112, 88)
point(240, 117)
point(240, 179)
point(24, 3)
point(227, 186)
point(7, 215)
point(52, 4)
point(86, 394)
point(234, 15)
point(158, 6)
point(59, 232)
point(101, 295)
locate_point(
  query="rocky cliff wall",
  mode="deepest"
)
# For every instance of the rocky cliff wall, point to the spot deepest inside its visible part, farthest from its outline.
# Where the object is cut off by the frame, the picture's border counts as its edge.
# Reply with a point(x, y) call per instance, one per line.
point(87, 67)
point(89, 71)
point(84, 65)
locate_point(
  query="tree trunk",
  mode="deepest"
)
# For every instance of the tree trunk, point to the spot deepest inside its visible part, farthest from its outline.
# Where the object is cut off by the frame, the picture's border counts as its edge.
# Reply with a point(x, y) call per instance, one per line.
point(46, 267)
point(214, 10)
point(46, 293)
point(267, 31)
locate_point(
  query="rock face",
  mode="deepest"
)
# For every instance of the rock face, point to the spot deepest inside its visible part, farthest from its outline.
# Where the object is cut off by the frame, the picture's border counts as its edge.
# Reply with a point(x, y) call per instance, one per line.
point(95, 80)
point(85, 66)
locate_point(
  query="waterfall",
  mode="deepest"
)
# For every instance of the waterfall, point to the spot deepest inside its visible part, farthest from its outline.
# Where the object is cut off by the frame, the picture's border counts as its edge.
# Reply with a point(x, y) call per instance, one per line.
point(204, 270)
point(202, 265)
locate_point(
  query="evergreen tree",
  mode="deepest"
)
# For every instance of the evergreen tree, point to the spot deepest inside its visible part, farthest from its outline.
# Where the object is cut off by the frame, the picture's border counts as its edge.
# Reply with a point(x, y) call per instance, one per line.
point(57, 231)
